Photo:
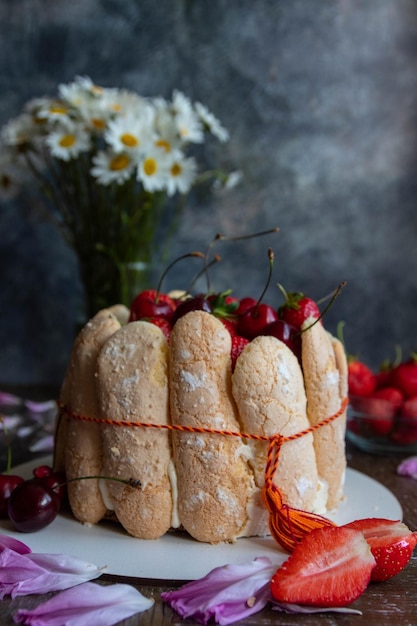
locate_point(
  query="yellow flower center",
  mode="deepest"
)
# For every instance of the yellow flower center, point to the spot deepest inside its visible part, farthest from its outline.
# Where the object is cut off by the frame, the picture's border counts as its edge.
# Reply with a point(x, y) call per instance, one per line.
point(176, 169)
point(98, 123)
point(58, 109)
point(150, 166)
point(163, 143)
point(116, 107)
point(129, 140)
point(119, 162)
point(67, 141)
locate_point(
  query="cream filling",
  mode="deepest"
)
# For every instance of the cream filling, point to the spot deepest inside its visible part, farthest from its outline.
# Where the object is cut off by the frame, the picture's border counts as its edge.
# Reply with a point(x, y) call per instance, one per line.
point(172, 475)
point(104, 490)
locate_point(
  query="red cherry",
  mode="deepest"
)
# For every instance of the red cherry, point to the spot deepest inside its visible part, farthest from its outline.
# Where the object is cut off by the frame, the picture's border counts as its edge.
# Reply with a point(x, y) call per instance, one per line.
point(253, 321)
point(8, 482)
point(285, 332)
point(245, 304)
point(197, 303)
point(150, 303)
point(42, 470)
point(32, 506)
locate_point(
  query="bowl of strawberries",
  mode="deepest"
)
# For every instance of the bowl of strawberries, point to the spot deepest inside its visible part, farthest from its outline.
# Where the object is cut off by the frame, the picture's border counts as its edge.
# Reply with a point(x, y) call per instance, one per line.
point(382, 413)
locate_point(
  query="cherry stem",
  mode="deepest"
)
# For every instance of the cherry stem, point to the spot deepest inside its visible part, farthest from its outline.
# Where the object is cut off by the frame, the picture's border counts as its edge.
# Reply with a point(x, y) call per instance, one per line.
point(131, 482)
point(220, 237)
point(271, 258)
point(215, 259)
point(171, 265)
point(336, 293)
point(9, 448)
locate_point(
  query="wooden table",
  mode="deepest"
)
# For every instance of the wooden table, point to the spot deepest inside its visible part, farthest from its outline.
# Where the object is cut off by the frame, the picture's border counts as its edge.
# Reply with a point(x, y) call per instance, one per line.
point(390, 602)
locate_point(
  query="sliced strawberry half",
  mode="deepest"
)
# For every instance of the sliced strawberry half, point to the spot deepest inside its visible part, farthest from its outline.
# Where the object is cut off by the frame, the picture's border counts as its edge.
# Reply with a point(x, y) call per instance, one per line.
point(330, 567)
point(391, 542)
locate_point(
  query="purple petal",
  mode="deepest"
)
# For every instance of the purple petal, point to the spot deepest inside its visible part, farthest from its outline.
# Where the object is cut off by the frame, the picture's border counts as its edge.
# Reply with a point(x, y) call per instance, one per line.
point(408, 467)
point(22, 574)
point(13, 544)
point(45, 444)
point(85, 605)
point(298, 608)
point(227, 593)
point(40, 407)
point(8, 399)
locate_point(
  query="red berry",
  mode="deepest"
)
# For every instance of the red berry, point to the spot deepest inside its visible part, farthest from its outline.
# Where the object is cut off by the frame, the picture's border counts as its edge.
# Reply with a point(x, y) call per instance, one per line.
point(409, 409)
point(32, 506)
point(150, 303)
point(238, 343)
point(285, 332)
point(404, 376)
point(163, 324)
point(197, 303)
point(379, 409)
point(245, 304)
point(330, 567)
point(391, 543)
point(255, 319)
point(297, 309)
point(42, 470)
point(361, 379)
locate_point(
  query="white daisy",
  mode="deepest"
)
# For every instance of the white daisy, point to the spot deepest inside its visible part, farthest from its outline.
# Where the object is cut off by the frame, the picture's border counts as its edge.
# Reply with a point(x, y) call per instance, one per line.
point(111, 167)
point(211, 122)
point(54, 110)
point(124, 102)
point(79, 90)
point(19, 130)
point(130, 133)
point(153, 170)
point(94, 114)
point(67, 142)
point(181, 174)
point(187, 121)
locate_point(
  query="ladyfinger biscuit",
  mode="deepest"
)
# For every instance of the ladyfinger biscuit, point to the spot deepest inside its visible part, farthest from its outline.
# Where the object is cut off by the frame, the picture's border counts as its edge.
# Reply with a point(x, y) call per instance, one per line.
point(83, 450)
point(214, 481)
point(132, 382)
point(269, 392)
point(324, 383)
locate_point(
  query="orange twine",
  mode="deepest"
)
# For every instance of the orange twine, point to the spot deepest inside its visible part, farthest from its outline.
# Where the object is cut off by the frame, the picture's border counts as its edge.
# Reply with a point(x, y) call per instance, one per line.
point(288, 525)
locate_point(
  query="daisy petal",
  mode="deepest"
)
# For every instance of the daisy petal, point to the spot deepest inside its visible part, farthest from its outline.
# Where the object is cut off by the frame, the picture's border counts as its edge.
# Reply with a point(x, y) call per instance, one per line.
point(23, 574)
point(226, 594)
point(85, 605)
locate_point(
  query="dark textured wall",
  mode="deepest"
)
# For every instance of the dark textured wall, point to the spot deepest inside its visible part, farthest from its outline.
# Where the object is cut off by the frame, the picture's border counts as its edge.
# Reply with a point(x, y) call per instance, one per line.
point(320, 98)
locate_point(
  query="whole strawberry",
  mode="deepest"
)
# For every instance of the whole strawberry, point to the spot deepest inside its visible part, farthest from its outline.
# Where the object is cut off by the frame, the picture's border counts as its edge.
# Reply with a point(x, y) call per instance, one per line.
point(404, 376)
point(361, 379)
point(297, 308)
point(238, 343)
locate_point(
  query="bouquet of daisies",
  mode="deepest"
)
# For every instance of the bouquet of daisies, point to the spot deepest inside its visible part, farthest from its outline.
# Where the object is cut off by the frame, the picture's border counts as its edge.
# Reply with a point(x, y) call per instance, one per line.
point(113, 168)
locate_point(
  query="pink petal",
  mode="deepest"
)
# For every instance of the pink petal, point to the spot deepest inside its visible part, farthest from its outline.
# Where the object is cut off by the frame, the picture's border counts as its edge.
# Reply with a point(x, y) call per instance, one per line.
point(227, 593)
point(40, 407)
point(45, 444)
point(408, 467)
point(13, 544)
point(8, 399)
point(86, 605)
point(22, 574)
